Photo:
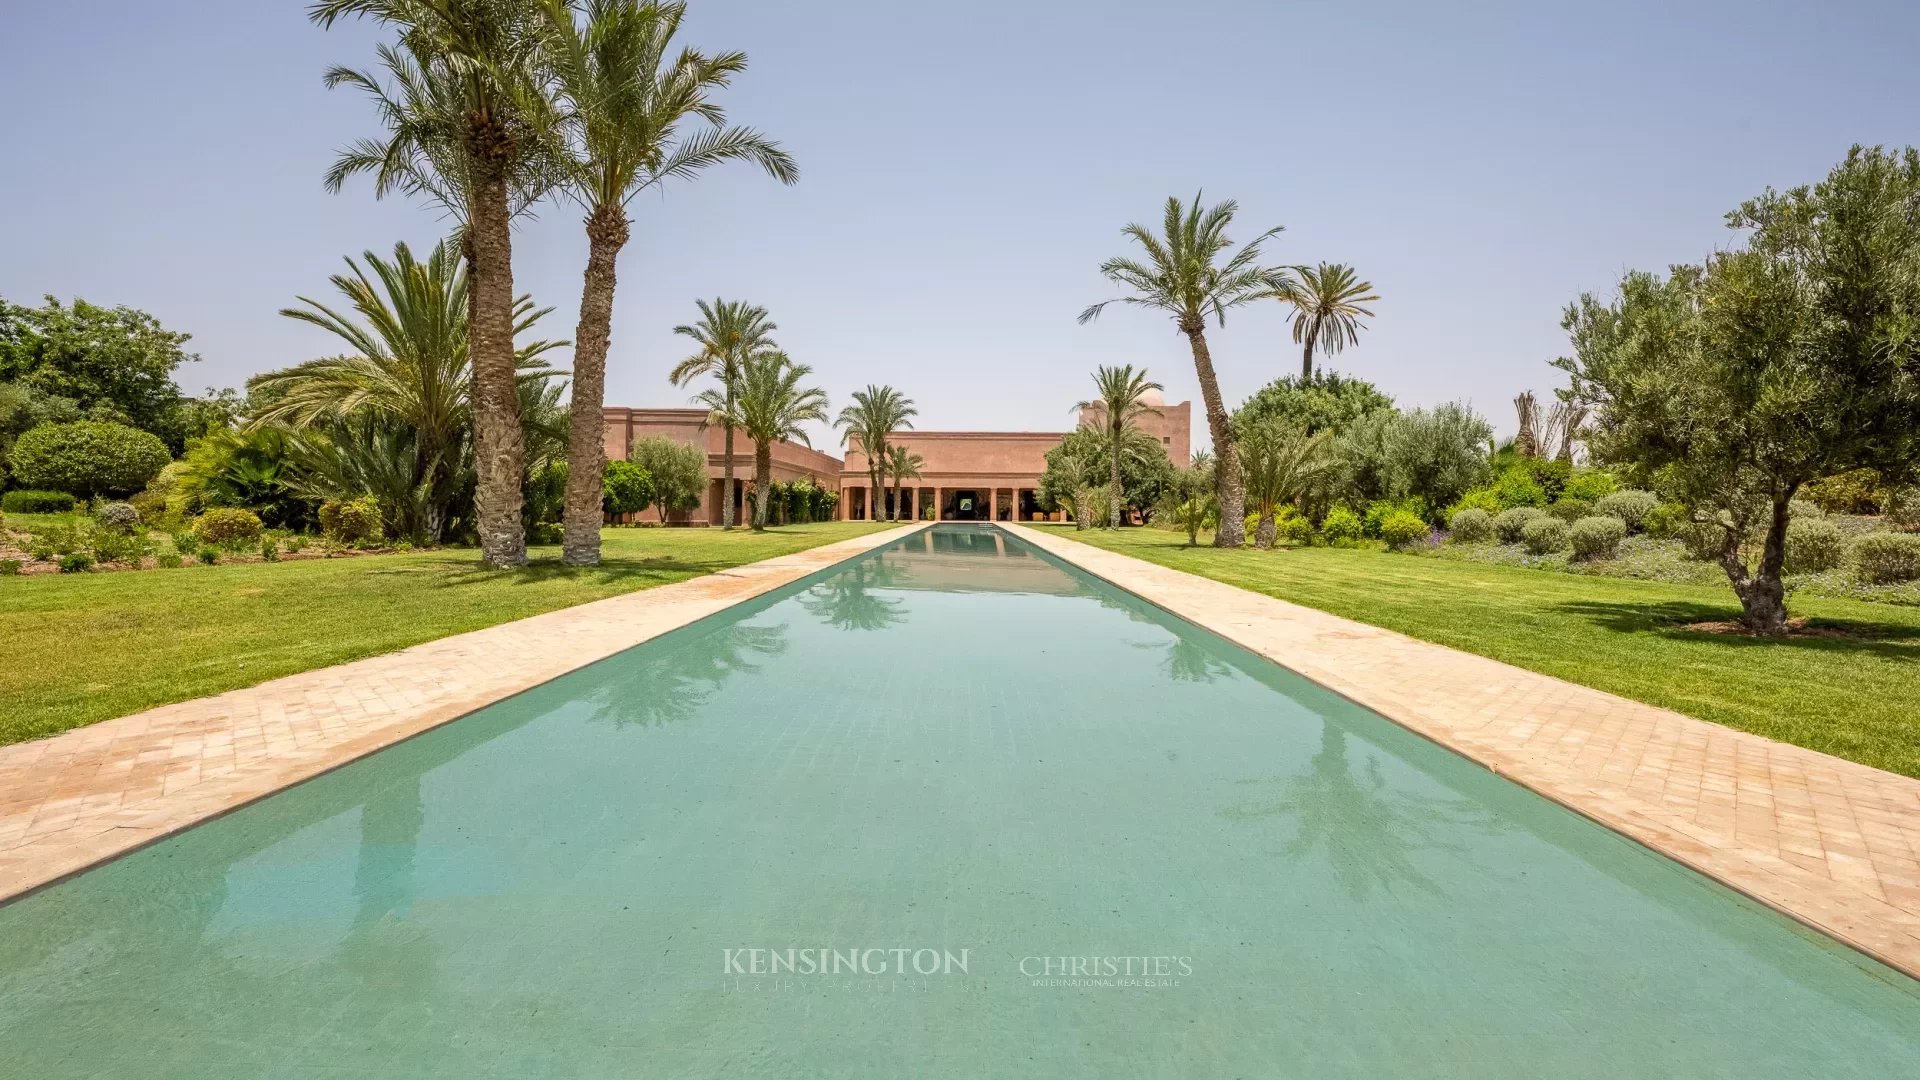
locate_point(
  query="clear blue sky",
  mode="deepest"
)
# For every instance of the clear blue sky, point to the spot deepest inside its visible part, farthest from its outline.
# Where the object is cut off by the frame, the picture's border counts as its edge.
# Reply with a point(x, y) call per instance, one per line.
point(968, 166)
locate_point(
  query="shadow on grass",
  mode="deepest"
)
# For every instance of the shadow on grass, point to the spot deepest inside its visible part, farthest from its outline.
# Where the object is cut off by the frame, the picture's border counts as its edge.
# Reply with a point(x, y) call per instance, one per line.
point(609, 572)
point(1671, 619)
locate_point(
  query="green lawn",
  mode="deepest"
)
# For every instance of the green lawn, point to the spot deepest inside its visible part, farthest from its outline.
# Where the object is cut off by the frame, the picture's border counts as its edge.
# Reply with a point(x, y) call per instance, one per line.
point(1855, 697)
point(81, 648)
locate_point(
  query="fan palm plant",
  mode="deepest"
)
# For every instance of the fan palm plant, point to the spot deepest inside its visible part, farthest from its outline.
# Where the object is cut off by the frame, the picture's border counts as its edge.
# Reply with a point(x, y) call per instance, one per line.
point(1326, 310)
point(876, 412)
point(1119, 400)
point(624, 98)
point(465, 127)
point(771, 406)
point(903, 464)
point(1282, 462)
point(728, 332)
point(408, 365)
point(1190, 272)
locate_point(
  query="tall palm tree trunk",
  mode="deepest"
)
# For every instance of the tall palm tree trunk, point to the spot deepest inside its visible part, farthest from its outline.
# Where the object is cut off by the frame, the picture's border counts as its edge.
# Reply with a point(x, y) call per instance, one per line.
point(586, 434)
point(1227, 483)
point(877, 490)
point(896, 496)
point(499, 448)
point(726, 470)
point(762, 483)
point(1113, 515)
point(1306, 353)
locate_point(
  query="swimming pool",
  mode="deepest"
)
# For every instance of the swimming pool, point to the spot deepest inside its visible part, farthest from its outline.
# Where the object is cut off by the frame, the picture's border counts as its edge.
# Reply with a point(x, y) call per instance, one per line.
point(948, 809)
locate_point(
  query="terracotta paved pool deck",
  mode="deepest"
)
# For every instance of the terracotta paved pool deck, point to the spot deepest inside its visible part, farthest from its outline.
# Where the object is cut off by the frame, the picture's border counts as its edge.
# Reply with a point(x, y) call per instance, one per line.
point(84, 796)
point(1833, 844)
point(1830, 843)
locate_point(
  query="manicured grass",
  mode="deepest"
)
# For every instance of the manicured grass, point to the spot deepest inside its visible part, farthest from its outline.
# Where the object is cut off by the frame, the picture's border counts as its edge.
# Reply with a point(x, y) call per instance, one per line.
point(1855, 697)
point(81, 648)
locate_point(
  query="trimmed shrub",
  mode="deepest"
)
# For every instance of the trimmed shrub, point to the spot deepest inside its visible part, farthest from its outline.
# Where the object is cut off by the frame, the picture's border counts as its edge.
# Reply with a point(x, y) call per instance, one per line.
point(1518, 487)
point(270, 550)
point(351, 521)
point(111, 545)
point(88, 457)
point(1294, 529)
point(1513, 522)
point(228, 527)
point(1544, 535)
point(546, 533)
point(1887, 558)
point(117, 516)
point(1665, 521)
point(151, 505)
point(1802, 508)
point(1470, 526)
point(209, 555)
point(169, 561)
point(10, 567)
point(1375, 520)
point(1402, 528)
point(1630, 505)
point(1342, 526)
point(1571, 510)
point(1597, 537)
point(1589, 485)
point(28, 501)
point(1477, 499)
point(1814, 545)
point(76, 563)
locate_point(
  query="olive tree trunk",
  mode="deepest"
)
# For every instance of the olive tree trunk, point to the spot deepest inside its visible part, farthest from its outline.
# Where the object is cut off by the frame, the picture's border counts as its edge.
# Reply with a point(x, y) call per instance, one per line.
point(499, 446)
point(1763, 596)
point(586, 430)
point(1232, 532)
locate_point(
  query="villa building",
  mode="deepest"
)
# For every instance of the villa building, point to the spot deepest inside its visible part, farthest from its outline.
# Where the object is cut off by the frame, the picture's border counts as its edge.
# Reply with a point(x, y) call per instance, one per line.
point(967, 475)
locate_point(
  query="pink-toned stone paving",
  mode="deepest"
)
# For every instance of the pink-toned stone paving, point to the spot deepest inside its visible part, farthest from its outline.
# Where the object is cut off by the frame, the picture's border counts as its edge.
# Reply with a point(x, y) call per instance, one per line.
point(1831, 843)
point(78, 798)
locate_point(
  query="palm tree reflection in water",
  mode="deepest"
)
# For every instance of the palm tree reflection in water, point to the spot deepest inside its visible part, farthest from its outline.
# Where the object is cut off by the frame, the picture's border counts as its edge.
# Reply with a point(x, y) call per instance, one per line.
point(845, 601)
point(1371, 829)
point(671, 685)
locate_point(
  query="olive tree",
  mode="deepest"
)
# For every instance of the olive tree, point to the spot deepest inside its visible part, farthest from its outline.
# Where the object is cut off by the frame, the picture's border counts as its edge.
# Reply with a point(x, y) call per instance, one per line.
point(678, 471)
point(1790, 359)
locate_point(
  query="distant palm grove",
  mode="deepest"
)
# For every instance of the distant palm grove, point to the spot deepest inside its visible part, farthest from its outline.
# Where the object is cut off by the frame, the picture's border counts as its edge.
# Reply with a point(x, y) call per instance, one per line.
point(1711, 412)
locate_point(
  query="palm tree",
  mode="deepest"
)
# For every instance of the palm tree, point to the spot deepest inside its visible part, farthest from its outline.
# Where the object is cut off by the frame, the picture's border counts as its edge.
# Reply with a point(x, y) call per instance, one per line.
point(623, 98)
point(407, 365)
point(1281, 462)
point(904, 464)
point(1326, 310)
point(1120, 398)
point(728, 332)
point(1183, 277)
point(464, 128)
point(876, 412)
point(770, 407)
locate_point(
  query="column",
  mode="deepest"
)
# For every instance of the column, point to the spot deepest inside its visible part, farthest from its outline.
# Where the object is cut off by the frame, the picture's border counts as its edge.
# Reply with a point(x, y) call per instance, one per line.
point(939, 501)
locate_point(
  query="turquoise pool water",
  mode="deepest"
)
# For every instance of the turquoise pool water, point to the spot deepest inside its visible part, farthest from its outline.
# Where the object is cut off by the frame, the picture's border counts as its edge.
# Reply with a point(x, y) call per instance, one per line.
point(1101, 841)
